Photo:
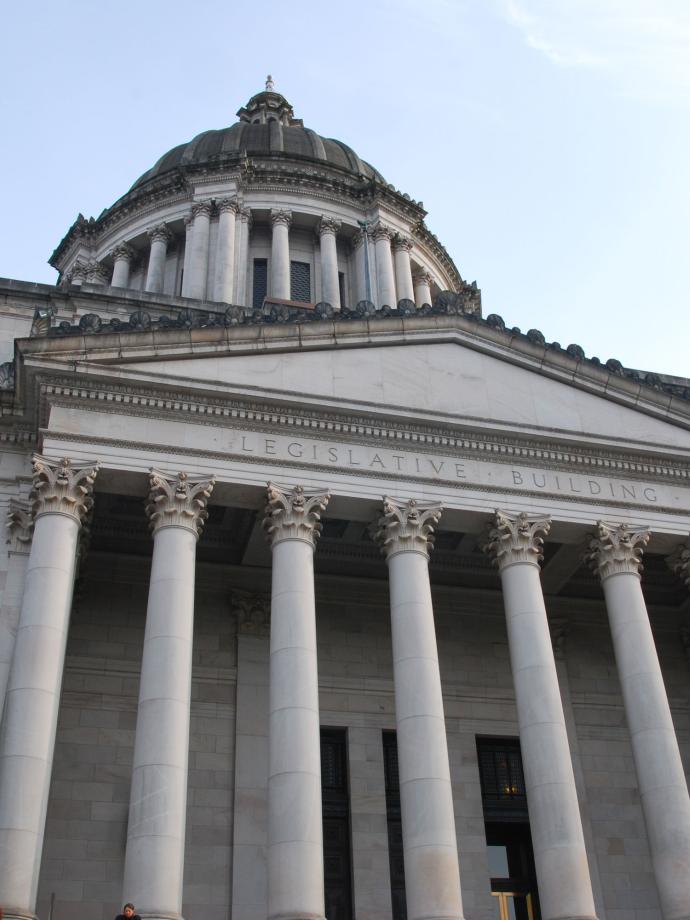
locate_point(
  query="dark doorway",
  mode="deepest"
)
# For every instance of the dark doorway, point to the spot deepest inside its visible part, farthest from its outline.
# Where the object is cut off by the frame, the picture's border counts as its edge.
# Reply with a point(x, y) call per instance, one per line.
point(337, 863)
point(395, 840)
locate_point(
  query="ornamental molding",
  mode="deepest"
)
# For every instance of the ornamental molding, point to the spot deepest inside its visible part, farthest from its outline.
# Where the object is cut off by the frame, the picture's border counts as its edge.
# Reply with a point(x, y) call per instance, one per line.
point(20, 526)
point(516, 540)
point(329, 225)
point(178, 501)
point(293, 515)
point(402, 243)
point(160, 234)
point(679, 562)
point(281, 218)
point(617, 549)
point(406, 527)
point(122, 252)
point(253, 613)
point(61, 488)
point(228, 204)
point(445, 440)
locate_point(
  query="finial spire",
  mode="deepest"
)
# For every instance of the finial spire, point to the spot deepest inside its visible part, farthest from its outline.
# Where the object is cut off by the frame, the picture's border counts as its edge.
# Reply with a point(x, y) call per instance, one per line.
point(270, 85)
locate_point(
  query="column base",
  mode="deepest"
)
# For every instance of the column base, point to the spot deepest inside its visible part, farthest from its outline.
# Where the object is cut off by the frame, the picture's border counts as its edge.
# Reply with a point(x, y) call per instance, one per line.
point(17, 913)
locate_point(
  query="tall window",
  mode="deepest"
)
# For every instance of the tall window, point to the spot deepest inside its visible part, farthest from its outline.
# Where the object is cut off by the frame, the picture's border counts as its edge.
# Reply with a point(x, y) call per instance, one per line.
point(337, 863)
point(508, 840)
point(341, 288)
point(300, 283)
point(395, 842)
point(260, 289)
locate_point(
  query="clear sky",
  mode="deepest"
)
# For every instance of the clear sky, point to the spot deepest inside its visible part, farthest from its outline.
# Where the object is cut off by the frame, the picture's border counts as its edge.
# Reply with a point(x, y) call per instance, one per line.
point(548, 139)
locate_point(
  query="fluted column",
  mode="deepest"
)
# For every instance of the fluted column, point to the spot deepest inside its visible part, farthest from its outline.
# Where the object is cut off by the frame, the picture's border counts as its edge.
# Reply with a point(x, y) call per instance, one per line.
point(154, 857)
point(402, 247)
point(382, 236)
point(565, 888)
point(295, 837)
point(330, 282)
point(20, 527)
point(160, 236)
point(61, 497)
point(225, 251)
point(422, 288)
point(123, 256)
point(280, 254)
point(615, 554)
point(243, 222)
point(432, 877)
point(196, 266)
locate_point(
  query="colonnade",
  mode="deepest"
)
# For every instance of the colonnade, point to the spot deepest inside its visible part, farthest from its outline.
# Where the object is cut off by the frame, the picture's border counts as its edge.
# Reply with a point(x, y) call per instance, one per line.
point(154, 858)
point(387, 270)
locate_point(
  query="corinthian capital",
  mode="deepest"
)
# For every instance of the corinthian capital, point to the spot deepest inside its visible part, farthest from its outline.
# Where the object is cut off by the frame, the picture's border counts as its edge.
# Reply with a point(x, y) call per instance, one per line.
point(253, 612)
point(122, 252)
point(679, 562)
point(421, 277)
point(97, 273)
point(281, 217)
point(329, 225)
point(402, 242)
point(379, 231)
point(617, 549)
point(201, 208)
point(407, 528)
point(159, 234)
point(293, 515)
point(516, 539)
point(20, 526)
point(178, 501)
point(228, 204)
point(60, 488)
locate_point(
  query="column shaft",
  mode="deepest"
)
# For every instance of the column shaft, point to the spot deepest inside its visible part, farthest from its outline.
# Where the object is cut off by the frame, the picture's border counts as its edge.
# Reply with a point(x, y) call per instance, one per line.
point(155, 275)
point(330, 281)
point(359, 242)
point(422, 289)
point(403, 270)
point(565, 888)
point(280, 255)
point(196, 267)
point(242, 226)
point(225, 253)
point(384, 267)
point(20, 528)
point(122, 262)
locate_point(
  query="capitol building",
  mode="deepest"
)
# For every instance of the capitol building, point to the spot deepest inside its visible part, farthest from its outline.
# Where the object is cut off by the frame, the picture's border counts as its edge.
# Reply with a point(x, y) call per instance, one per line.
point(326, 595)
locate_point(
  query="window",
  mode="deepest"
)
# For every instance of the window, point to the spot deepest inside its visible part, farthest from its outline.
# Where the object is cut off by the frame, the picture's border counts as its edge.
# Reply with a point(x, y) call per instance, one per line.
point(300, 282)
point(260, 289)
point(341, 287)
point(508, 839)
point(337, 862)
point(395, 842)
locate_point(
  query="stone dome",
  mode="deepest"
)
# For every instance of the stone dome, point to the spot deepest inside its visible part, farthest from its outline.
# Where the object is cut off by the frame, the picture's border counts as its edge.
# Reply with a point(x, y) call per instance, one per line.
point(267, 128)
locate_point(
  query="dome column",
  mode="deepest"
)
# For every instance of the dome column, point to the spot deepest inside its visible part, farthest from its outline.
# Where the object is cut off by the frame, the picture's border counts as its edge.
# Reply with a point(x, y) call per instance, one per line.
point(154, 855)
point(360, 243)
point(432, 876)
point(385, 277)
point(243, 224)
point(615, 555)
point(196, 266)
point(402, 246)
point(61, 499)
point(280, 254)
point(225, 251)
point(422, 288)
point(123, 256)
point(565, 887)
point(330, 282)
point(160, 236)
point(295, 832)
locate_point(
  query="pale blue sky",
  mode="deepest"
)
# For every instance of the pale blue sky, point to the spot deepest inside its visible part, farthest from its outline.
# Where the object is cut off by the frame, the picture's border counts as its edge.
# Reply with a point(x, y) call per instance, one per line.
point(548, 139)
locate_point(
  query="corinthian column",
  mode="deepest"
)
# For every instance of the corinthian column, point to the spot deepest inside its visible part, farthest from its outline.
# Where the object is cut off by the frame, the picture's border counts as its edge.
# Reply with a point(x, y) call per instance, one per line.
point(160, 236)
point(61, 498)
point(402, 246)
point(20, 525)
point(565, 888)
point(154, 858)
point(123, 256)
point(280, 254)
point(243, 222)
point(330, 285)
point(225, 251)
point(382, 236)
point(616, 554)
point(295, 840)
point(422, 288)
point(432, 877)
point(196, 265)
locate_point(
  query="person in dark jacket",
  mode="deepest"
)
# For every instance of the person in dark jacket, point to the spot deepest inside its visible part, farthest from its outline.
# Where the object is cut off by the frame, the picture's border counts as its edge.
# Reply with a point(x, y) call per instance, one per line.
point(128, 913)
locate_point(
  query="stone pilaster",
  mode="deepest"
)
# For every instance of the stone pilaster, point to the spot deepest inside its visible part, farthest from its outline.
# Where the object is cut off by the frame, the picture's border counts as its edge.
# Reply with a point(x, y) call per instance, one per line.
point(432, 877)
point(154, 856)
point(565, 888)
point(61, 497)
point(243, 223)
point(615, 554)
point(295, 839)
point(20, 527)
